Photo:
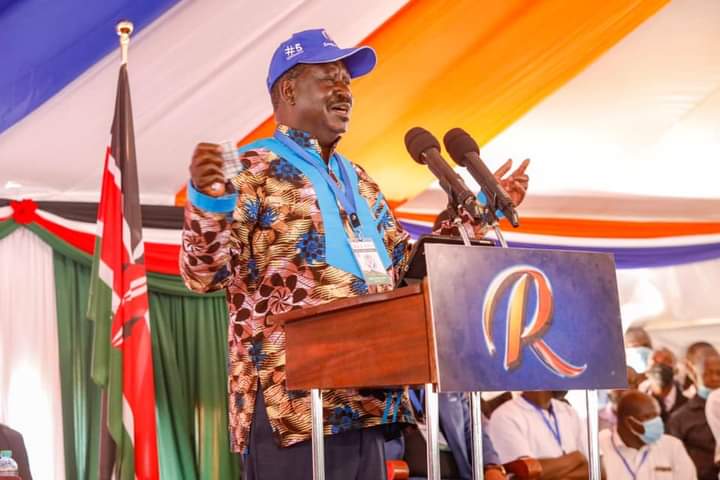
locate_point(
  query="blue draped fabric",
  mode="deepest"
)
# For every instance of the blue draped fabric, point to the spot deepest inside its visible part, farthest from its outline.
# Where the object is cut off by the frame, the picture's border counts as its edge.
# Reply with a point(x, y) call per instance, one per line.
point(46, 44)
point(625, 257)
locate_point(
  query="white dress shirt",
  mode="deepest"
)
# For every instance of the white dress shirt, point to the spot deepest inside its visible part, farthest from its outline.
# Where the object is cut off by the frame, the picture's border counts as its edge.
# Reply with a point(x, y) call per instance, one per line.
point(666, 459)
point(518, 429)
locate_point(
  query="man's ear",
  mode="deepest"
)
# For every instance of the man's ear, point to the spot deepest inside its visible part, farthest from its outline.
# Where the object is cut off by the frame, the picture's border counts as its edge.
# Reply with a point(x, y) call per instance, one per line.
point(287, 90)
point(636, 425)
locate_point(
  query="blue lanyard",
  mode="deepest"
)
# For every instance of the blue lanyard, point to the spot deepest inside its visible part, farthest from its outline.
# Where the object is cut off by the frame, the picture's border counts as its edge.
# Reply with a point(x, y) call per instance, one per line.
point(417, 399)
point(554, 430)
point(633, 473)
point(389, 403)
point(345, 197)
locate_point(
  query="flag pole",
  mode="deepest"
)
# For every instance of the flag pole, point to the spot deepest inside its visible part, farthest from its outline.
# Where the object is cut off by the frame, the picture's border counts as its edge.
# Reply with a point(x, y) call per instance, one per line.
point(124, 29)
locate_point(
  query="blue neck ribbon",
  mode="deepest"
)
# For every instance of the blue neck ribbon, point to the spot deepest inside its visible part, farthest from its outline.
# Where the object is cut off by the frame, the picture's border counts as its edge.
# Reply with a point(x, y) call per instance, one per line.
point(338, 252)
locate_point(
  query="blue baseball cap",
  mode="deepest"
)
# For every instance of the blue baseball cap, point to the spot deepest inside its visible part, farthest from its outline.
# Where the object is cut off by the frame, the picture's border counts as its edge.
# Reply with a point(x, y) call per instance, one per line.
point(316, 46)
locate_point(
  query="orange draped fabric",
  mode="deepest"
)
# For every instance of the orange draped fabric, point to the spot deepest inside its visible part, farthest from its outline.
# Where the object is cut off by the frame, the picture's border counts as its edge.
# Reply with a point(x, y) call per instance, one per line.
point(478, 64)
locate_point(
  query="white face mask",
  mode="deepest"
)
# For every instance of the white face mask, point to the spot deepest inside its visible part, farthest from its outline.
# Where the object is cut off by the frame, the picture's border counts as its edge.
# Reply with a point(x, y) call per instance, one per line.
point(638, 358)
point(654, 430)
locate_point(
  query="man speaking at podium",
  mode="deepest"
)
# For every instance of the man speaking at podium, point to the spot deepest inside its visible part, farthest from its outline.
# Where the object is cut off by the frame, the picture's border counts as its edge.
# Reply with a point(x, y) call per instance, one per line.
point(303, 227)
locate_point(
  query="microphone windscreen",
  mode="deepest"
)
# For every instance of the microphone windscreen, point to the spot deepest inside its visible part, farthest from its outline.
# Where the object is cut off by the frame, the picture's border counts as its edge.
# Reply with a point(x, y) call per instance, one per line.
point(457, 143)
point(419, 140)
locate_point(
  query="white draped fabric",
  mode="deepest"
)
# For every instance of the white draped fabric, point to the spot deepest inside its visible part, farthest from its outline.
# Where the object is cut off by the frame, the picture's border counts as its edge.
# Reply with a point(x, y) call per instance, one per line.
point(29, 370)
point(678, 305)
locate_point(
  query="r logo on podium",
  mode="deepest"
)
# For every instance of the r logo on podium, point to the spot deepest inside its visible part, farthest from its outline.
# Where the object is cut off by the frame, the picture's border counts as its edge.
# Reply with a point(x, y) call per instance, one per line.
point(519, 280)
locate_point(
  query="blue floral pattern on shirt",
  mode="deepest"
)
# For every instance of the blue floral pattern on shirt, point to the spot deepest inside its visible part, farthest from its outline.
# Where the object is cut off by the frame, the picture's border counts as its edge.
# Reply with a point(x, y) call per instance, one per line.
point(343, 419)
point(312, 247)
point(284, 170)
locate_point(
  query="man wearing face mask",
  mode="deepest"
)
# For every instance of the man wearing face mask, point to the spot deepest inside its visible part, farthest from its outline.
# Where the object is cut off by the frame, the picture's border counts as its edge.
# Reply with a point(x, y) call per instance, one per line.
point(638, 449)
point(638, 349)
point(661, 385)
point(693, 355)
point(690, 424)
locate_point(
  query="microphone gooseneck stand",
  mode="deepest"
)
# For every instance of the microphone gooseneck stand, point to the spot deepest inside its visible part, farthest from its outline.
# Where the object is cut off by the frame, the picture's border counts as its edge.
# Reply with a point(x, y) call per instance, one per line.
point(490, 218)
point(475, 397)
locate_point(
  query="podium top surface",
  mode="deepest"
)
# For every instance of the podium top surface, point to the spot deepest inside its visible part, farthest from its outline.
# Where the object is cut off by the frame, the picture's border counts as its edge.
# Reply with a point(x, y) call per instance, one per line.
point(346, 303)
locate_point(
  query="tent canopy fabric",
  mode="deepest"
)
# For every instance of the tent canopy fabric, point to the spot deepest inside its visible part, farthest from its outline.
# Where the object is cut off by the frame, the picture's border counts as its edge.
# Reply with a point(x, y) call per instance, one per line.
point(633, 136)
point(197, 73)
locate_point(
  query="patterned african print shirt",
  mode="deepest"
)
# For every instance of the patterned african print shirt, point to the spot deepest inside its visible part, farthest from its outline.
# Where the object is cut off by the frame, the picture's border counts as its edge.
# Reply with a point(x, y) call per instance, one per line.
point(268, 253)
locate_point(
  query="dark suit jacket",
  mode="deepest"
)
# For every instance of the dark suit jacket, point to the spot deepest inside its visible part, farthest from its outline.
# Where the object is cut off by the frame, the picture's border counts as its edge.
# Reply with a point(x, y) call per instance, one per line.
point(12, 440)
point(689, 424)
point(680, 400)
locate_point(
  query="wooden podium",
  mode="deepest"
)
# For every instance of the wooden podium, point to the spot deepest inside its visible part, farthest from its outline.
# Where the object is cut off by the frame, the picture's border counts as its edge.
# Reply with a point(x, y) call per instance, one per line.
point(379, 340)
point(371, 341)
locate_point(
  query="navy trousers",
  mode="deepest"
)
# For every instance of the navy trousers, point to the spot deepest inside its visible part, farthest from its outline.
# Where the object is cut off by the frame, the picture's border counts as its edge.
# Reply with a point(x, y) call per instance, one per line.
point(352, 455)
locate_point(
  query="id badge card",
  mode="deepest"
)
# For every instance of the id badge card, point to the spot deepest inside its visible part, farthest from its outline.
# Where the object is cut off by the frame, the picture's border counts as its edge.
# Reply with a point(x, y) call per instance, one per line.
point(370, 263)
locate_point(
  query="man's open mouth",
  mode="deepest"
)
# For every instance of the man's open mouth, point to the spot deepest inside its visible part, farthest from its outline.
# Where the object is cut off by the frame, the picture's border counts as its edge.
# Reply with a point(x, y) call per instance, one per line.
point(343, 108)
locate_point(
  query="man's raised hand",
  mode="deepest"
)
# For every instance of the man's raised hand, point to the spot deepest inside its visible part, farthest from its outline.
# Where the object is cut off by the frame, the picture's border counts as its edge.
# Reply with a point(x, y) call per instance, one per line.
point(206, 169)
point(515, 184)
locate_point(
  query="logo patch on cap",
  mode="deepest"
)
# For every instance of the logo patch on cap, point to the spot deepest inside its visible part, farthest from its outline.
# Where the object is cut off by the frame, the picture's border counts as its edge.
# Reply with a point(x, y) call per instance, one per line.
point(328, 41)
point(293, 50)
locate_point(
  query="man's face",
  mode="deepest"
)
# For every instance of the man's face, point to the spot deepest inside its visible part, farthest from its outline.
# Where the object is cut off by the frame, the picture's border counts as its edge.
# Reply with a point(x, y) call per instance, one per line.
point(646, 409)
point(663, 356)
point(661, 378)
point(323, 100)
point(693, 357)
point(711, 372)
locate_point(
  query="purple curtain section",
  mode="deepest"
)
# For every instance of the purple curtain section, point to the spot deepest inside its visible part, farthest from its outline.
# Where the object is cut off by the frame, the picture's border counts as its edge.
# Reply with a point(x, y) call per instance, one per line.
point(625, 257)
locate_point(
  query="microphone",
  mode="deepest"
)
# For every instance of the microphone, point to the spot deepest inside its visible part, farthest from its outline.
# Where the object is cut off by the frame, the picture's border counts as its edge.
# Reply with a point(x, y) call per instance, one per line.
point(466, 153)
point(425, 149)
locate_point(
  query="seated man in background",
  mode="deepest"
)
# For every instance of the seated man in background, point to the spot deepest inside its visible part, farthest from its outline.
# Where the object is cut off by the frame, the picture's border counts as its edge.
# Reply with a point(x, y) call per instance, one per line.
point(695, 351)
point(638, 349)
point(536, 425)
point(638, 449)
point(12, 440)
point(689, 422)
point(662, 386)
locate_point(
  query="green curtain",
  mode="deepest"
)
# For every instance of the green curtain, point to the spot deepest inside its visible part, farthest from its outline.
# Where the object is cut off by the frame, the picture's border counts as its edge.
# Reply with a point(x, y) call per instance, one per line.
point(7, 227)
point(189, 343)
point(189, 334)
point(80, 395)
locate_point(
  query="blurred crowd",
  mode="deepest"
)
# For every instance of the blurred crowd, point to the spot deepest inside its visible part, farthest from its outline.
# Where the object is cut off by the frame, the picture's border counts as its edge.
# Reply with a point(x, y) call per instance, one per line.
point(663, 426)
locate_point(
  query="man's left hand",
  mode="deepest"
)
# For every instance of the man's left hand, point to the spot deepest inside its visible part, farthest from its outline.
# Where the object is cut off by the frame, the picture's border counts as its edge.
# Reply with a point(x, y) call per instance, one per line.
point(515, 184)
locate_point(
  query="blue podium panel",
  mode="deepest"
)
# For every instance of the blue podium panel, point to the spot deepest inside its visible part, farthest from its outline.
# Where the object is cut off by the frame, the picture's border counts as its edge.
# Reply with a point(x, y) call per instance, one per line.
point(519, 319)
